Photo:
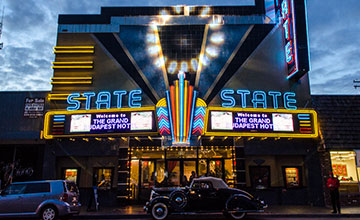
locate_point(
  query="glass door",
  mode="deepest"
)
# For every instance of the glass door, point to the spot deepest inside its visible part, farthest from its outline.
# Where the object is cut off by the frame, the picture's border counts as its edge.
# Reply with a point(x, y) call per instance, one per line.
point(216, 168)
point(147, 178)
point(189, 171)
point(173, 172)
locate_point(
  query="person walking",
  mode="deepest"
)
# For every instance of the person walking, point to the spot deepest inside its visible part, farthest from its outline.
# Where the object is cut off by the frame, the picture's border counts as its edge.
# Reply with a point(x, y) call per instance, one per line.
point(333, 184)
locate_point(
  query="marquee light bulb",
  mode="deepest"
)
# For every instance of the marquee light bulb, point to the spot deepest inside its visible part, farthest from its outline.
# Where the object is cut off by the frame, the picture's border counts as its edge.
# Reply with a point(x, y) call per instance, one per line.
point(217, 38)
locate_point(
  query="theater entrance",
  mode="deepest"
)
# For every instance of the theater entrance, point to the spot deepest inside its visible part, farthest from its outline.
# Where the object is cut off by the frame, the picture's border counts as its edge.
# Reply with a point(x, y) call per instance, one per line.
point(175, 166)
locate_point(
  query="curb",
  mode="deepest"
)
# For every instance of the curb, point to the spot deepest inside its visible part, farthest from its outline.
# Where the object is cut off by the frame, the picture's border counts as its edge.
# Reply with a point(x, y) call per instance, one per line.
point(267, 215)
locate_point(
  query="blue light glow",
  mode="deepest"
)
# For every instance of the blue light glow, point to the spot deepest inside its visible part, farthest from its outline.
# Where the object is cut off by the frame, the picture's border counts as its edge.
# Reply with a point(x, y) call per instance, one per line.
point(288, 100)
point(259, 97)
point(228, 101)
point(181, 108)
point(243, 94)
point(119, 94)
point(103, 98)
point(135, 99)
point(288, 52)
point(88, 96)
point(71, 101)
point(275, 94)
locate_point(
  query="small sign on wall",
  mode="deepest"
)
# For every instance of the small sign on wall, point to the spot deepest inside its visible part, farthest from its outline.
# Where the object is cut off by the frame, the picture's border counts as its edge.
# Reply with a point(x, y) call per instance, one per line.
point(34, 107)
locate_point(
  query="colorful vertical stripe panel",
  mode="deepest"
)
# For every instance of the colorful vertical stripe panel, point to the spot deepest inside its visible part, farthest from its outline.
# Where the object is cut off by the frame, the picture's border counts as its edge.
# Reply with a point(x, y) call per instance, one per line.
point(58, 125)
point(305, 123)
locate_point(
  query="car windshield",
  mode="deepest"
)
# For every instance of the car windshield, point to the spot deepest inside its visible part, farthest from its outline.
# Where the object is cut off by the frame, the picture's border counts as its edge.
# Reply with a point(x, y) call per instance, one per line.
point(15, 189)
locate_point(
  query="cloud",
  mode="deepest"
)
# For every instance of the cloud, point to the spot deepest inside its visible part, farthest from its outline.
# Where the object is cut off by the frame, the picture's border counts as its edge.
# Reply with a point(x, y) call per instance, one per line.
point(30, 27)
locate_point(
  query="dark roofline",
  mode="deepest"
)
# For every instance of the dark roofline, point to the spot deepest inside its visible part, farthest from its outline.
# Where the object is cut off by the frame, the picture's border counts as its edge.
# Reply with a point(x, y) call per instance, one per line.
point(108, 12)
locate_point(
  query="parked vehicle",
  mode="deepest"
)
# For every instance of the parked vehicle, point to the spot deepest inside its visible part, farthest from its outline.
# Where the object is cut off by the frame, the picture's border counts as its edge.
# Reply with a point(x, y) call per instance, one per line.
point(205, 194)
point(45, 199)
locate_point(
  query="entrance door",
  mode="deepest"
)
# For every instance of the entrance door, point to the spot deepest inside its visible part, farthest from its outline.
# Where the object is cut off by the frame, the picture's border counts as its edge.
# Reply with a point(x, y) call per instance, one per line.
point(147, 178)
point(179, 171)
point(173, 170)
point(216, 168)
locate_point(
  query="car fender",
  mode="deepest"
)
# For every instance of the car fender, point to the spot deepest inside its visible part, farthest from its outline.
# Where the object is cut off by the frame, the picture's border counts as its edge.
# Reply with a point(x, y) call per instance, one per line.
point(163, 199)
point(245, 200)
point(60, 206)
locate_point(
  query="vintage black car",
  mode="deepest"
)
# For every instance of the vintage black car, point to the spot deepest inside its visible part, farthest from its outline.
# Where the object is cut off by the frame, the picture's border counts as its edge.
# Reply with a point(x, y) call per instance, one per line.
point(205, 194)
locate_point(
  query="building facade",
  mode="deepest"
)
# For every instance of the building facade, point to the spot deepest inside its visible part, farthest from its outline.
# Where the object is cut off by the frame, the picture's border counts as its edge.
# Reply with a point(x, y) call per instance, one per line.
point(146, 97)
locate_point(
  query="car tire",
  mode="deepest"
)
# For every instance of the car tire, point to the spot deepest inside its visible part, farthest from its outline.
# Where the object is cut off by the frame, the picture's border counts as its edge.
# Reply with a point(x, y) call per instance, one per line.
point(179, 199)
point(236, 215)
point(49, 213)
point(159, 211)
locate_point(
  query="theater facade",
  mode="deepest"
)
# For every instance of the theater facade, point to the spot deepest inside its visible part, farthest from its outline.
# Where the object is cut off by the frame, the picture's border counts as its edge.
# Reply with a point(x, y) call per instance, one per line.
point(150, 96)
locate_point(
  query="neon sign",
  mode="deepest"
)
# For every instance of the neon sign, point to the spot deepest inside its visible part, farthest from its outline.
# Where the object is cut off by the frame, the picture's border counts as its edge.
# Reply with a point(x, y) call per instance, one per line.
point(103, 99)
point(261, 122)
point(288, 23)
point(103, 122)
point(259, 99)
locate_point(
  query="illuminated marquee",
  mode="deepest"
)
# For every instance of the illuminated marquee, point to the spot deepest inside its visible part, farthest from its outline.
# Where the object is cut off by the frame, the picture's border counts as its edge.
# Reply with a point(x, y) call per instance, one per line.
point(103, 99)
point(104, 122)
point(257, 98)
point(261, 122)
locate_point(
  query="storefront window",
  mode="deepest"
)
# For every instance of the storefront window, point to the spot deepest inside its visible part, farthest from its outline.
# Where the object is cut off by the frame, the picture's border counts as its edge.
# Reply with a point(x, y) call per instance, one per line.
point(180, 152)
point(343, 165)
point(215, 168)
point(202, 168)
point(147, 153)
point(103, 178)
point(147, 173)
point(134, 179)
point(292, 177)
point(229, 178)
point(173, 168)
point(215, 152)
point(260, 176)
point(71, 175)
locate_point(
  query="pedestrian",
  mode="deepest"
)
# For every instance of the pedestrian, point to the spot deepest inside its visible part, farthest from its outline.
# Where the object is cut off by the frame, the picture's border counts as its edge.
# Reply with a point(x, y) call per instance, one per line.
point(193, 175)
point(333, 184)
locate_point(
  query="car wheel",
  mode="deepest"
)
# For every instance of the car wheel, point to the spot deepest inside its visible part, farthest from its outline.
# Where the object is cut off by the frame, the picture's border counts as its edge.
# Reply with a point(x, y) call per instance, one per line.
point(49, 213)
point(236, 215)
point(159, 211)
point(178, 198)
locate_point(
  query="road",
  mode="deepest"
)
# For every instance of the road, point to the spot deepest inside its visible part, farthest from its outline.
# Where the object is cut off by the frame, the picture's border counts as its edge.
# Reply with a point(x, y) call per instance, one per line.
point(205, 217)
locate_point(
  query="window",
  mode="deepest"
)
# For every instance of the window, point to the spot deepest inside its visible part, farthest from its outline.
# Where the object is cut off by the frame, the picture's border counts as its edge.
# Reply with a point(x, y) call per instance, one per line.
point(292, 177)
point(260, 176)
point(37, 188)
point(343, 166)
point(201, 185)
point(103, 178)
point(15, 189)
point(71, 174)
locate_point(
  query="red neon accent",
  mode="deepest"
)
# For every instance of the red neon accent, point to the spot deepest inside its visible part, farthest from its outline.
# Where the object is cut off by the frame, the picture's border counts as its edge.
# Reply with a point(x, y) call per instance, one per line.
point(172, 98)
point(162, 116)
point(218, 163)
point(190, 92)
point(58, 129)
point(145, 163)
point(58, 133)
point(199, 116)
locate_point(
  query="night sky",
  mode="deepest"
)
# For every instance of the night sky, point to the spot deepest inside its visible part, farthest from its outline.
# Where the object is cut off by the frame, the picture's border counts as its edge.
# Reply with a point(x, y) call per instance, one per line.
point(30, 27)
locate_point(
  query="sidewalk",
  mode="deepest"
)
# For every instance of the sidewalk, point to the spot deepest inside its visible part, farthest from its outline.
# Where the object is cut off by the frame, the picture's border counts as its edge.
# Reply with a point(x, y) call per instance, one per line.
point(136, 211)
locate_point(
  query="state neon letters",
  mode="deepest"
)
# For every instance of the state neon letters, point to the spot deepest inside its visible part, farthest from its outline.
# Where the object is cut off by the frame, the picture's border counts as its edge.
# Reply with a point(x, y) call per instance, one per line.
point(259, 99)
point(103, 99)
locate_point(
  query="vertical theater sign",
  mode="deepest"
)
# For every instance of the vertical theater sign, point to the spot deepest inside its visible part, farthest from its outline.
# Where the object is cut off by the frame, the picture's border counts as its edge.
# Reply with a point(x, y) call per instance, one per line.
point(185, 76)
